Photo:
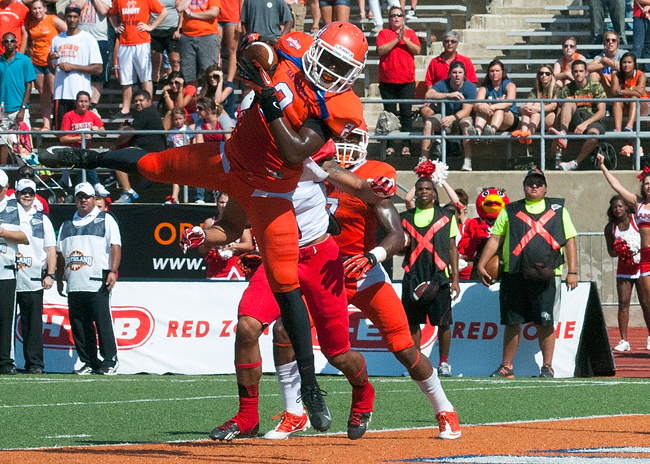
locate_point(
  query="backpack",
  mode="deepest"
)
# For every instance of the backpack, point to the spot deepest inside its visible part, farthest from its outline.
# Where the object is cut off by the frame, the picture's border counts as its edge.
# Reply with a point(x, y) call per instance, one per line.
point(386, 123)
point(608, 152)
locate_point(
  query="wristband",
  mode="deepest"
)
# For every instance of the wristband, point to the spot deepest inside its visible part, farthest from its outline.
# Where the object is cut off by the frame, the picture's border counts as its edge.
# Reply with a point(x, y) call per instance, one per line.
point(270, 105)
point(456, 117)
point(51, 276)
point(573, 273)
point(112, 271)
point(380, 253)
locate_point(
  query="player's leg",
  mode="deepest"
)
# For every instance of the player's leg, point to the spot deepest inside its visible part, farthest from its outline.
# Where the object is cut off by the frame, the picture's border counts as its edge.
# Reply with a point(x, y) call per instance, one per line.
point(328, 308)
point(257, 309)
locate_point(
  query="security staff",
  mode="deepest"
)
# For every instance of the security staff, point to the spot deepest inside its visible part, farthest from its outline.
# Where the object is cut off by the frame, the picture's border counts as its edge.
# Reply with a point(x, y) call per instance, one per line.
point(532, 232)
point(10, 236)
point(32, 259)
point(89, 252)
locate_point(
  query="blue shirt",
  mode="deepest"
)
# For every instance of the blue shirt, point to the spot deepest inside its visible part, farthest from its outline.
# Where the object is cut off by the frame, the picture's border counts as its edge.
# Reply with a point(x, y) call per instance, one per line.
point(14, 75)
point(468, 90)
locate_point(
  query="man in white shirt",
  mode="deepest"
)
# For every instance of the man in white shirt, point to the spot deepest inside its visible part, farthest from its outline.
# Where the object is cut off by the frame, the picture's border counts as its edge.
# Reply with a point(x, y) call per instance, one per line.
point(89, 252)
point(32, 259)
point(74, 57)
point(10, 236)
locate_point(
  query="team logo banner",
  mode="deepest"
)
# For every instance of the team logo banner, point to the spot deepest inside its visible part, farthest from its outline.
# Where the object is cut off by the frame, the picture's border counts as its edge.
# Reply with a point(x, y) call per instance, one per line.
point(189, 328)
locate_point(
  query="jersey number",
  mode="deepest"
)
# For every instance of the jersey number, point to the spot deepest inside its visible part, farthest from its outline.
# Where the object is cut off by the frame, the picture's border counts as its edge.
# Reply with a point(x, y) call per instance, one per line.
point(287, 95)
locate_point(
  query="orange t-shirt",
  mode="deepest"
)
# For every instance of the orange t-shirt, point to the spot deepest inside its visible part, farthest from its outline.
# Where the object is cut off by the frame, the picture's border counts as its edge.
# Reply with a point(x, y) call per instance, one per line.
point(230, 11)
point(42, 34)
point(12, 18)
point(193, 27)
point(631, 83)
point(133, 12)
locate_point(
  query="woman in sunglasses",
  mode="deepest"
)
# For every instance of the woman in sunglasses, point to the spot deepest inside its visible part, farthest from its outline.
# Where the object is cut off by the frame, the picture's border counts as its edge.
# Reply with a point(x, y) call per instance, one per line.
point(562, 67)
point(177, 93)
point(531, 116)
point(214, 87)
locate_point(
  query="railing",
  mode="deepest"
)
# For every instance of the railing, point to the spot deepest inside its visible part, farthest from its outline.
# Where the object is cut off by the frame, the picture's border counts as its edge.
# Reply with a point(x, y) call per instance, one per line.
point(540, 135)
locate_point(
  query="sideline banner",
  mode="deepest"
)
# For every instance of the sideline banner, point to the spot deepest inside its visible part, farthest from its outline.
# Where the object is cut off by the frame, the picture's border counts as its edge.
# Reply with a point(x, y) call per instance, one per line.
point(150, 239)
point(189, 328)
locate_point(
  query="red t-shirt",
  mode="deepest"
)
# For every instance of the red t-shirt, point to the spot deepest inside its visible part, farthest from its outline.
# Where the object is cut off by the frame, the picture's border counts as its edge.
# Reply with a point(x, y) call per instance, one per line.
point(12, 18)
point(133, 12)
point(438, 70)
point(397, 66)
point(76, 122)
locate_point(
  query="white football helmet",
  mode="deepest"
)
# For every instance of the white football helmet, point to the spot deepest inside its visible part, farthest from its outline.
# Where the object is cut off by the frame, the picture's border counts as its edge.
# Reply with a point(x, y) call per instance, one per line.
point(352, 150)
point(336, 58)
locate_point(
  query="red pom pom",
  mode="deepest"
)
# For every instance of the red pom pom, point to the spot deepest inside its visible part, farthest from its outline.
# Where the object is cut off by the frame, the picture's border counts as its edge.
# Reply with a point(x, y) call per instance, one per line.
point(623, 251)
point(425, 168)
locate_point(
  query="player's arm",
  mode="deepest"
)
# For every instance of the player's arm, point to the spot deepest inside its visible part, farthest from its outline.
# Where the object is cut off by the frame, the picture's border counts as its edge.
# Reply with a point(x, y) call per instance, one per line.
point(296, 147)
point(350, 183)
point(228, 229)
point(388, 218)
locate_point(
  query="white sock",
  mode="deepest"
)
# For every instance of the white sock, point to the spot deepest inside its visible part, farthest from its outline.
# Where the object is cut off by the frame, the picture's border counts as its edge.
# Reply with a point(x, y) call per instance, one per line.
point(433, 389)
point(289, 379)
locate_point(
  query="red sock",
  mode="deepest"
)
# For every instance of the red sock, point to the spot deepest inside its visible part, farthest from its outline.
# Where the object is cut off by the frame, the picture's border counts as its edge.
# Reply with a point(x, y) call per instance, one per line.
point(444, 359)
point(248, 415)
point(363, 397)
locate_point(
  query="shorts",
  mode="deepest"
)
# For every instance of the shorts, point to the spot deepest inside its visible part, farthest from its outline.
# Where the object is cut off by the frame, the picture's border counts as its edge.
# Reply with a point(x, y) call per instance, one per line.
point(227, 23)
point(523, 300)
point(197, 53)
point(579, 117)
point(9, 122)
point(438, 311)
point(645, 262)
point(135, 62)
point(515, 124)
point(455, 127)
point(42, 69)
point(163, 40)
point(323, 3)
point(375, 296)
point(106, 50)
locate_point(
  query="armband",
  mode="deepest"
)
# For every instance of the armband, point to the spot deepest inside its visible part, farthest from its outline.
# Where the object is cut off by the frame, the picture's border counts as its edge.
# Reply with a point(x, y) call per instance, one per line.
point(270, 105)
point(380, 253)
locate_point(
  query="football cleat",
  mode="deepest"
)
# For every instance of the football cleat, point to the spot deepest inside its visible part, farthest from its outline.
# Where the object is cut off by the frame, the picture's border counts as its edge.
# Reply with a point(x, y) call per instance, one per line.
point(444, 370)
point(358, 424)
point(319, 414)
point(547, 371)
point(288, 425)
point(86, 369)
point(230, 430)
point(61, 156)
point(448, 425)
point(503, 371)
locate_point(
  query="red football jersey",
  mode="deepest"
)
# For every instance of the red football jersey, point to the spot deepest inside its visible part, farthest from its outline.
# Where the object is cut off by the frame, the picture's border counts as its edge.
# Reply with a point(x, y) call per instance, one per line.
point(357, 220)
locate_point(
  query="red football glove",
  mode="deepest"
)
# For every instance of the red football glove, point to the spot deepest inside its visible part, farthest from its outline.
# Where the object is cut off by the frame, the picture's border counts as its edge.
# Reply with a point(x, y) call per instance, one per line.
point(192, 238)
point(253, 74)
point(483, 231)
point(326, 152)
point(383, 187)
point(356, 266)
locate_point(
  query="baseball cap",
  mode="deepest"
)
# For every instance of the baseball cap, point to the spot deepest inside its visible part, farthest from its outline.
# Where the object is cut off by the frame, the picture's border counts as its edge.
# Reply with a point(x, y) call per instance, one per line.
point(537, 173)
point(24, 184)
point(73, 7)
point(86, 188)
point(4, 180)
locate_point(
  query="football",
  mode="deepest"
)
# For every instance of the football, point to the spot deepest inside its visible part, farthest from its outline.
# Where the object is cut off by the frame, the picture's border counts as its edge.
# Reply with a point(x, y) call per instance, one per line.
point(263, 53)
point(494, 268)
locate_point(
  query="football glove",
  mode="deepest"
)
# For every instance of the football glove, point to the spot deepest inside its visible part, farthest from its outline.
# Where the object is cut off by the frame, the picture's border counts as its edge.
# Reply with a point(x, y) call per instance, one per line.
point(192, 238)
point(383, 187)
point(326, 152)
point(356, 266)
point(249, 263)
point(253, 74)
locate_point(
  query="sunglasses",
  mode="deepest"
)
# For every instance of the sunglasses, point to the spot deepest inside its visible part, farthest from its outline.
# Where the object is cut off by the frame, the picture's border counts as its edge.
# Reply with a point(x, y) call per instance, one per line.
point(214, 76)
point(534, 183)
point(83, 196)
point(9, 41)
point(568, 46)
point(175, 83)
point(396, 15)
point(544, 73)
point(200, 108)
point(611, 40)
point(28, 192)
point(26, 175)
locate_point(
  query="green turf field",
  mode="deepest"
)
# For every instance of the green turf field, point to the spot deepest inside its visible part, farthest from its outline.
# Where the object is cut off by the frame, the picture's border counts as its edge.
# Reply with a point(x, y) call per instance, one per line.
point(63, 410)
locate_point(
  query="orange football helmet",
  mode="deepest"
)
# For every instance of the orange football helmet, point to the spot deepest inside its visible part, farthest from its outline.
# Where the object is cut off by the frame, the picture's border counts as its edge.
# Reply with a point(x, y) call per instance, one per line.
point(336, 58)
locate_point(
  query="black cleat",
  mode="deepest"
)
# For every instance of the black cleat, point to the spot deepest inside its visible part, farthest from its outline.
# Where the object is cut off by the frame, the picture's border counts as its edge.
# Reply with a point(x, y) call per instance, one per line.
point(546, 372)
point(231, 430)
point(68, 157)
point(358, 424)
point(319, 414)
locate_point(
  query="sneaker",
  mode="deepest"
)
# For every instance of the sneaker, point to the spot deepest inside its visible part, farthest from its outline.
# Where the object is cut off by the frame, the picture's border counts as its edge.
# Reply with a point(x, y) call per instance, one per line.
point(647, 346)
point(34, 371)
point(448, 425)
point(358, 424)
point(94, 110)
point(422, 159)
point(171, 200)
point(199, 202)
point(547, 372)
point(467, 165)
point(436, 149)
point(623, 345)
point(107, 370)
point(9, 369)
point(86, 369)
point(568, 166)
point(377, 29)
point(110, 181)
point(503, 371)
point(288, 425)
point(444, 370)
point(231, 430)
point(471, 130)
point(119, 116)
point(101, 190)
point(488, 130)
point(410, 14)
point(319, 414)
point(562, 141)
point(127, 197)
point(68, 157)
